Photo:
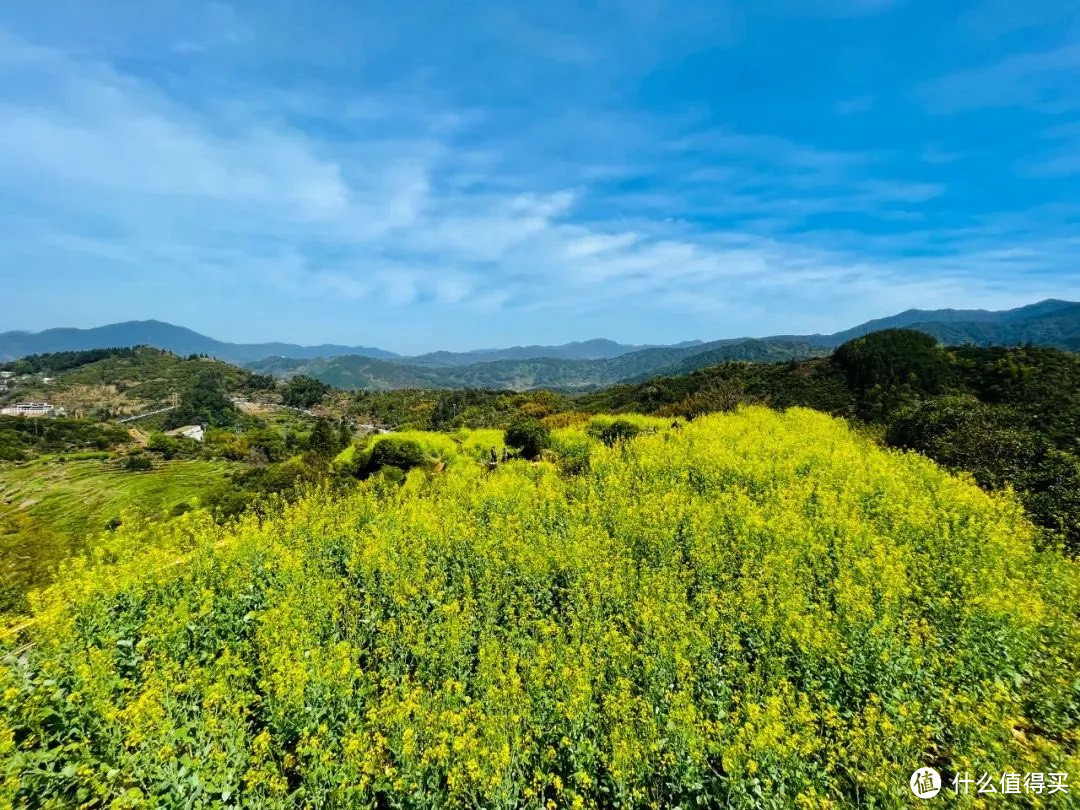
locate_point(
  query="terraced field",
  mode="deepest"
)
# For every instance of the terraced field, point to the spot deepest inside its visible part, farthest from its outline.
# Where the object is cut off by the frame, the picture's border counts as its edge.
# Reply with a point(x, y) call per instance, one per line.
point(50, 509)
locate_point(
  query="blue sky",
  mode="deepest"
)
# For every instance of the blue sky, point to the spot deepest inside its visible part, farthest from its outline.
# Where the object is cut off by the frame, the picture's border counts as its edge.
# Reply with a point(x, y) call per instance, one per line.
point(456, 175)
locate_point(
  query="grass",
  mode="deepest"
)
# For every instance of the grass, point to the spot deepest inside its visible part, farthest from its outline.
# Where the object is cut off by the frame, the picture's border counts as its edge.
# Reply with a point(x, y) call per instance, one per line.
point(51, 509)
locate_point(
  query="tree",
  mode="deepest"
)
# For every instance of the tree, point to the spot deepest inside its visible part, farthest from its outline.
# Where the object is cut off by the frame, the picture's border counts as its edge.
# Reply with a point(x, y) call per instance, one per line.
point(528, 436)
point(323, 439)
point(136, 463)
point(404, 454)
point(267, 443)
point(206, 402)
point(259, 382)
point(303, 392)
point(167, 446)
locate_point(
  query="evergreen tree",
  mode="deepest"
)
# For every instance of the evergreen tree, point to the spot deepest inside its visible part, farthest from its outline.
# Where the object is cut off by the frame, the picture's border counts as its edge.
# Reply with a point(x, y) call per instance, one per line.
point(323, 440)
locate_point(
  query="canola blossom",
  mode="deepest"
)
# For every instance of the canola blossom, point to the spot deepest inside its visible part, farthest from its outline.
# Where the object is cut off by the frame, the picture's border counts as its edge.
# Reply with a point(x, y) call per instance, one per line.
point(751, 610)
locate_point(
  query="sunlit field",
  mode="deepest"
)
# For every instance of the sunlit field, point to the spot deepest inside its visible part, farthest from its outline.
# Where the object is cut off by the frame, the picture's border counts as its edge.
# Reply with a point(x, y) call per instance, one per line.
point(751, 610)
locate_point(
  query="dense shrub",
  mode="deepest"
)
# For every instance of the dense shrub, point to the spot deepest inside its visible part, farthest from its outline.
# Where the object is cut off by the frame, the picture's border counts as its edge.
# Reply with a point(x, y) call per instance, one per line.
point(138, 463)
point(404, 454)
point(989, 441)
point(303, 392)
point(528, 437)
point(573, 454)
point(287, 481)
point(268, 444)
point(614, 432)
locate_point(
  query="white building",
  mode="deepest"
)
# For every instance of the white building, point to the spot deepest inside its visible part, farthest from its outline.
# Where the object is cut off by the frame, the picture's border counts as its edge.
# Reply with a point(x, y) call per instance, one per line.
point(6, 375)
point(28, 409)
point(188, 432)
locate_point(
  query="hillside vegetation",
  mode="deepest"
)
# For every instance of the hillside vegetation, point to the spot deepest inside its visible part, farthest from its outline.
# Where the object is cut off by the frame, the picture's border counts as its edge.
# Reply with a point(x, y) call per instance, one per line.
point(365, 373)
point(51, 509)
point(123, 381)
point(750, 610)
point(1009, 417)
point(1047, 324)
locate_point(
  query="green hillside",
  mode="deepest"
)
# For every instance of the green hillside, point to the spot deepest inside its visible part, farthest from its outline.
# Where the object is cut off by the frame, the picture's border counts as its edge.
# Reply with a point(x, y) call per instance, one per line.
point(123, 380)
point(53, 508)
point(362, 373)
point(1060, 328)
point(1050, 323)
point(1046, 324)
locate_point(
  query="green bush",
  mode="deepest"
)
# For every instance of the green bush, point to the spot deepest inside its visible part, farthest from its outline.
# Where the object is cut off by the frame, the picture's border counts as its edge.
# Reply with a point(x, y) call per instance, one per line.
point(528, 436)
point(167, 446)
point(962, 433)
point(573, 455)
point(404, 454)
point(138, 464)
point(303, 392)
point(612, 433)
point(267, 443)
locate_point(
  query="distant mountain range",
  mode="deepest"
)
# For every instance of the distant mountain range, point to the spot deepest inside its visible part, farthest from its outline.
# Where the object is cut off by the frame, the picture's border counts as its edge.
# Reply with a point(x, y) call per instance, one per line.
point(595, 349)
point(161, 335)
point(534, 372)
point(570, 366)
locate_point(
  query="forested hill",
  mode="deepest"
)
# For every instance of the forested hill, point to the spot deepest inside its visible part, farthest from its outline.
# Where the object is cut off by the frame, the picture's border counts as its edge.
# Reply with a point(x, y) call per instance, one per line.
point(120, 382)
point(1051, 323)
point(161, 335)
point(365, 373)
point(1048, 323)
point(871, 377)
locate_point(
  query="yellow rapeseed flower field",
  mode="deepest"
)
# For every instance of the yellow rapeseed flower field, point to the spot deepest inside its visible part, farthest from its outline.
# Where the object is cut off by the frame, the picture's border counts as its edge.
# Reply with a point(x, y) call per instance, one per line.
point(749, 610)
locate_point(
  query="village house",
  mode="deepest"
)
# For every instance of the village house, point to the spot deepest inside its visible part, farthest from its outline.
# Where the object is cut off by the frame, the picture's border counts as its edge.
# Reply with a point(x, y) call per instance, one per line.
point(188, 432)
point(28, 409)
